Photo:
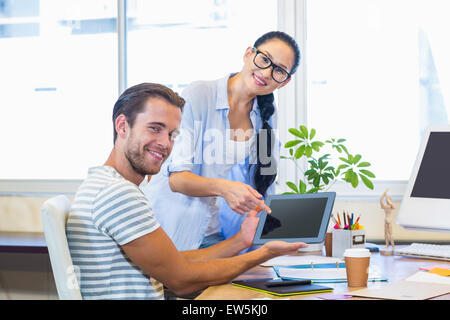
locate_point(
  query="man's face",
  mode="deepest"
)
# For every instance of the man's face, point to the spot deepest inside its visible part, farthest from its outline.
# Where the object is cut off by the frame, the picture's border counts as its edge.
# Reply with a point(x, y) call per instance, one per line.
point(151, 138)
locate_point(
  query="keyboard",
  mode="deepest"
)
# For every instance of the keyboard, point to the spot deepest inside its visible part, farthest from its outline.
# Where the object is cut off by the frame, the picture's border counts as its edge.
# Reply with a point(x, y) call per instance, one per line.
point(425, 251)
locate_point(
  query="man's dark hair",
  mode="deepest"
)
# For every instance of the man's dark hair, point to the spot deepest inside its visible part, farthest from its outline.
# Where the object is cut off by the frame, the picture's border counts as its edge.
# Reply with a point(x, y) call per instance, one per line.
point(132, 101)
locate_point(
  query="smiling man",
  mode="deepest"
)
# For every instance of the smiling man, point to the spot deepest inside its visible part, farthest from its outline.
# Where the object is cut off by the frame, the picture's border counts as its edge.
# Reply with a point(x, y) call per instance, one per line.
point(117, 246)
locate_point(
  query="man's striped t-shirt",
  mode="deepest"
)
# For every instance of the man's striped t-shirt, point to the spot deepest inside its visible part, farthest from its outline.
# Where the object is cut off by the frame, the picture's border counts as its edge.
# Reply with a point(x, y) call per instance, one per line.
point(109, 211)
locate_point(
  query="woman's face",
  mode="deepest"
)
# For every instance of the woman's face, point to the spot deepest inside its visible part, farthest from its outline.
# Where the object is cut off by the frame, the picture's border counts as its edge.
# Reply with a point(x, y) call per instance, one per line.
point(259, 81)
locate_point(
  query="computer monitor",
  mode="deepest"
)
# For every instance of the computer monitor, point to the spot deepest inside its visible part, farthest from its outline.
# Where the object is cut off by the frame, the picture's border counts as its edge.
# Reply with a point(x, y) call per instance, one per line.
point(426, 202)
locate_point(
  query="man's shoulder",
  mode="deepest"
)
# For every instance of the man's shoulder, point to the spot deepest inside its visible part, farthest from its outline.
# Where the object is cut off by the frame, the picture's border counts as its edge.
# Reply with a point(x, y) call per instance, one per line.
point(107, 184)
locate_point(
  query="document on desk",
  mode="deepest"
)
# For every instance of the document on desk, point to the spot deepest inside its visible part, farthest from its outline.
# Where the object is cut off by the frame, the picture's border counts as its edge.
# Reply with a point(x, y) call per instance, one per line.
point(297, 260)
point(429, 277)
point(403, 290)
point(322, 275)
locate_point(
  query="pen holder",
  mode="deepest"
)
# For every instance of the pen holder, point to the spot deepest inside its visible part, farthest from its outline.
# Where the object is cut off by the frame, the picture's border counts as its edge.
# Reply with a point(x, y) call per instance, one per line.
point(346, 239)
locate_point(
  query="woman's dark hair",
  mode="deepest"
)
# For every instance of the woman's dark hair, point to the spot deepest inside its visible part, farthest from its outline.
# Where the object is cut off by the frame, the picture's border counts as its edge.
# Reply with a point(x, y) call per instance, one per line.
point(132, 101)
point(263, 179)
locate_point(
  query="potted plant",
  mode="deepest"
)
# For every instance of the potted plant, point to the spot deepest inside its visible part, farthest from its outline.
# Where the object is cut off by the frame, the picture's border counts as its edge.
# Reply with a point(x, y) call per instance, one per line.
point(326, 162)
point(323, 170)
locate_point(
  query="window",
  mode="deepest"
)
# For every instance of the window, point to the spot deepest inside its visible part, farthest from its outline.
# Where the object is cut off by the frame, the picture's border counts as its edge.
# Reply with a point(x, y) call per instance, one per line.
point(378, 75)
point(175, 42)
point(58, 79)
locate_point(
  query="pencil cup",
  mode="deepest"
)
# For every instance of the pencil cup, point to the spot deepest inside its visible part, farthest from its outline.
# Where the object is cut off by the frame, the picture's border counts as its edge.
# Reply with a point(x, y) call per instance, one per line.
point(346, 239)
point(357, 263)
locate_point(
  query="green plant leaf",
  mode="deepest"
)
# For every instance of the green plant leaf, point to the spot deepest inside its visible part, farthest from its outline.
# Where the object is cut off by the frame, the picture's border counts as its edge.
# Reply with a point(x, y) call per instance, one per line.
point(316, 181)
point(288, 193)
point(344, 148)
point(316, 145)
point(296, 133)
point(345, 160)
point(354, 179)
point(304, 130)
point(300, 151)
point(291, 151)
point(342, 166)
point(313, 190)
point(341, 140)
point(313, 164)
point(302, 186)
point(292, 186)
point(356, 158)
point(312, 134)
point(292, 143)
point(364, 164)
point(367, 173)
point(308, 151)
point(367, 182)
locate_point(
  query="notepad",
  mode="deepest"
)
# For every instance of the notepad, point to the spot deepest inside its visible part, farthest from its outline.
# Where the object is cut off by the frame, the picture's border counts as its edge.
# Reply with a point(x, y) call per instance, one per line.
point(259, 285)
point(322, 275)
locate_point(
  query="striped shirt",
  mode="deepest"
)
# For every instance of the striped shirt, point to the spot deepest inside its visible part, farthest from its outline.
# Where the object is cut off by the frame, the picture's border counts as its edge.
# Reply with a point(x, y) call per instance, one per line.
point(109, 211)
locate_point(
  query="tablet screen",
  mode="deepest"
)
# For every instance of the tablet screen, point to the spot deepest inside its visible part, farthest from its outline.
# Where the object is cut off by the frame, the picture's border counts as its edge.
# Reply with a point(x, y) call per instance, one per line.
point(291, 218)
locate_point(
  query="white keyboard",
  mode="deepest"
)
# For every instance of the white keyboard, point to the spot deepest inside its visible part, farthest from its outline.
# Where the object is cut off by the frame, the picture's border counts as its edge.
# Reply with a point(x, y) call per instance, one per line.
point(425, 251)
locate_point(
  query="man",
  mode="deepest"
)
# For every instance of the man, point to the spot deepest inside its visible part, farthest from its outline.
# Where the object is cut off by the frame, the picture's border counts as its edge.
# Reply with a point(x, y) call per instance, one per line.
point(118, 247)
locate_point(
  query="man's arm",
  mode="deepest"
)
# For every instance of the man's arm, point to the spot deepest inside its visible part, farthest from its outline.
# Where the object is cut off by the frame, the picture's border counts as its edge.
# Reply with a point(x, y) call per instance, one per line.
point(231, 246)
point(157, 256)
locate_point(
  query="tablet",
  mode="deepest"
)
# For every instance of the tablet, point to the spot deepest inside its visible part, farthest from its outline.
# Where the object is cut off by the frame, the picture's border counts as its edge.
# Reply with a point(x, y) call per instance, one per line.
point(296, 218)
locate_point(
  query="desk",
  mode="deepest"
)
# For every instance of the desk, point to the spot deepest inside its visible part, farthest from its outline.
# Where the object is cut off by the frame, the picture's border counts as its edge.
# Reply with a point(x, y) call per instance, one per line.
point(22, 242)
point(395, 268)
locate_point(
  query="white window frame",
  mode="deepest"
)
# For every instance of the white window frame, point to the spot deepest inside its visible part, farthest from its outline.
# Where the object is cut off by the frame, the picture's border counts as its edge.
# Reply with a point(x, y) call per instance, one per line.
point(292, 101)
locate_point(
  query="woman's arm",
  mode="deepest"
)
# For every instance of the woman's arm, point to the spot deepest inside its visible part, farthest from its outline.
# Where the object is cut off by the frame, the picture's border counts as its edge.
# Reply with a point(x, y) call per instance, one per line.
point(240, 196)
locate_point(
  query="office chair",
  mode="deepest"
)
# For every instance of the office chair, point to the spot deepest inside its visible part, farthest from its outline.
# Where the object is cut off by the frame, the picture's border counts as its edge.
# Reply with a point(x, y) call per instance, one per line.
point(54, 213)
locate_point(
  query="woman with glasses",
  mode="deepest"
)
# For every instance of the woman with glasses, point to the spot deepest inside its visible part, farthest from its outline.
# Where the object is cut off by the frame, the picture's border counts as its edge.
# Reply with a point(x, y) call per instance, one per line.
point(223, 163)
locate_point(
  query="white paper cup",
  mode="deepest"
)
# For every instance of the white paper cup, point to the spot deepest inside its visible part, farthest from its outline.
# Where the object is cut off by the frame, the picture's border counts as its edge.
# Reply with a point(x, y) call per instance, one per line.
point(357, 263)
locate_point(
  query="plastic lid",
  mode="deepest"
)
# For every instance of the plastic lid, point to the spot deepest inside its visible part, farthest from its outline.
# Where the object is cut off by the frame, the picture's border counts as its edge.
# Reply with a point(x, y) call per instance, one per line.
point(357, 253)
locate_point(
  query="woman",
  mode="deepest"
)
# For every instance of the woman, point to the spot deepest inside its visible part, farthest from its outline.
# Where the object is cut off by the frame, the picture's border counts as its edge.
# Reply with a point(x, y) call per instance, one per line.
point(224, 161)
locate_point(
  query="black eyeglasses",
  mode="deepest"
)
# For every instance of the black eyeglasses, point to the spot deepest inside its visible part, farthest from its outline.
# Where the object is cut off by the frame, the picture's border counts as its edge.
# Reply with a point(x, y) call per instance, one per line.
point(262, 61)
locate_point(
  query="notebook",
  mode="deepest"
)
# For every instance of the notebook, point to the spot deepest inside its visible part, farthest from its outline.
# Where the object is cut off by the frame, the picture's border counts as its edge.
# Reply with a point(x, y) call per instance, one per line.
point(322, 275)
point(259, 285)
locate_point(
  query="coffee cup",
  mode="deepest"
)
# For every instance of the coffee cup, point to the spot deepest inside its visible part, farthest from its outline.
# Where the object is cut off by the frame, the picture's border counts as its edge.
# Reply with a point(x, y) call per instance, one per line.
point(357, 261)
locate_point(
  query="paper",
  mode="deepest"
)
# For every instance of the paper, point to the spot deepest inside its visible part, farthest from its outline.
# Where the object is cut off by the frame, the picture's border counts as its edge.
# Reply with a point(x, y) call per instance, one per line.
point(427, 277)
point(436, 266)
point(440, 272)
point(323, 275)
point(293, 260)
point(403, 290)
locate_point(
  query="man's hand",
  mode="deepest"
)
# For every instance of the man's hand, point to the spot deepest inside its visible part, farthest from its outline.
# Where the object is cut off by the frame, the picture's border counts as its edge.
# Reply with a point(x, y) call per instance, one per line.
point(280, 248)
point(241, 197)
point(248, 227)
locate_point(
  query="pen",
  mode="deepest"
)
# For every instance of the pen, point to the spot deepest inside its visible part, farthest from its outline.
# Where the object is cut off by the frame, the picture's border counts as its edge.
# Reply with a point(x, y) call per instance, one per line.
point(281, 283)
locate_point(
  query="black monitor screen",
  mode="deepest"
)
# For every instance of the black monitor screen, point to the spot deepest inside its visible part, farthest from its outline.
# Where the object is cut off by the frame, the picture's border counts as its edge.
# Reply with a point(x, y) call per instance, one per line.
point(294, 218)
point(433, 178)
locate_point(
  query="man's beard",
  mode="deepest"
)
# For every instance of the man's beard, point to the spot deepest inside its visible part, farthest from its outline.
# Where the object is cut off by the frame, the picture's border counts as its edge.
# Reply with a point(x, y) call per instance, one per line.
point(137, 162)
